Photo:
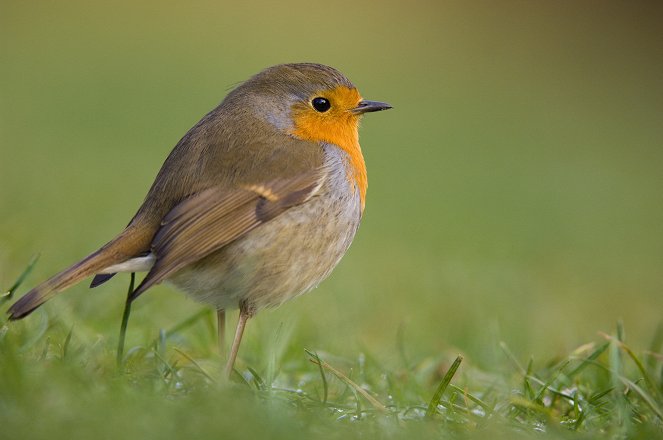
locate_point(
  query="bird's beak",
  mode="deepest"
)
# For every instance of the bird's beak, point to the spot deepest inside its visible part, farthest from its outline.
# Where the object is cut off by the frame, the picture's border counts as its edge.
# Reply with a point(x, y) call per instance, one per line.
point(370, 106)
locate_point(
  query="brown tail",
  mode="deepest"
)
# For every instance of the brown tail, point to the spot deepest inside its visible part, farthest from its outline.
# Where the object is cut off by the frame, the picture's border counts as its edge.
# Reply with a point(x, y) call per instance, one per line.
point(130, 242)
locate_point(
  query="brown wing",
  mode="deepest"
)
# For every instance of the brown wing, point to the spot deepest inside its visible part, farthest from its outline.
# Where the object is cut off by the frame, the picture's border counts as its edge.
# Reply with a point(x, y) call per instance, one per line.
point(209, 220)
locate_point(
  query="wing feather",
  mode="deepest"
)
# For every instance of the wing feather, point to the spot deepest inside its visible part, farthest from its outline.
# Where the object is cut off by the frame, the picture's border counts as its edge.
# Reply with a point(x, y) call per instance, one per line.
point(215, 217)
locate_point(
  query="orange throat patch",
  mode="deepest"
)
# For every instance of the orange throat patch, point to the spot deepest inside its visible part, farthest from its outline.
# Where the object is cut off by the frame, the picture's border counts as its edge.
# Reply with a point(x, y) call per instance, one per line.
point(338, 126)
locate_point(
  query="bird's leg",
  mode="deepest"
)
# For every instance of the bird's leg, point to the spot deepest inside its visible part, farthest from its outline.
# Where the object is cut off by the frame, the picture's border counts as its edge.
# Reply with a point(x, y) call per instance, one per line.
point(125, 321)
point(246, 311)
point(221, 328)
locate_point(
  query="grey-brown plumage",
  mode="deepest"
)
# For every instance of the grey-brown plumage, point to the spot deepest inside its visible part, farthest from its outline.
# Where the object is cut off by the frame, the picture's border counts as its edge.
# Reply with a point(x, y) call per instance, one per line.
point(297, 251)
point(245, 211)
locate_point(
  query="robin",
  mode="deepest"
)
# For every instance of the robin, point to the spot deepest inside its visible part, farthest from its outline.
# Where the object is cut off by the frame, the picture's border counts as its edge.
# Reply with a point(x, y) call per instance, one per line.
point(255, 205)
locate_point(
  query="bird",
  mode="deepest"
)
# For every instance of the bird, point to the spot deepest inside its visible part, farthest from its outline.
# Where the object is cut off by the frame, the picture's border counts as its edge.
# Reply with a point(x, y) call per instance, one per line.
point(255, 205)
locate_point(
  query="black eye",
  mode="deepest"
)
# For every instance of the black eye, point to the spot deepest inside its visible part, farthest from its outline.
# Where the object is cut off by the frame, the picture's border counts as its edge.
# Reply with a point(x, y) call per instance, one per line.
point(321, 104)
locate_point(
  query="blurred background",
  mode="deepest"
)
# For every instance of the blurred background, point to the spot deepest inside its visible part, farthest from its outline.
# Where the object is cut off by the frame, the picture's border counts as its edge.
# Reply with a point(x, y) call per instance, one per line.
point(515, 190)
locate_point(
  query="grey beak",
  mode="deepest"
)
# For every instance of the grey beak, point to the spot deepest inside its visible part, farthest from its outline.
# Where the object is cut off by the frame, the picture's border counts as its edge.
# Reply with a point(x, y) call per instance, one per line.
point(370, 106)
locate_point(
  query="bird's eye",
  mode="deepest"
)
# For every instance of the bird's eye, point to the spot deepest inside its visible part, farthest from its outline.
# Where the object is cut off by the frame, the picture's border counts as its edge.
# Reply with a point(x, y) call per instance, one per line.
point(321, 104)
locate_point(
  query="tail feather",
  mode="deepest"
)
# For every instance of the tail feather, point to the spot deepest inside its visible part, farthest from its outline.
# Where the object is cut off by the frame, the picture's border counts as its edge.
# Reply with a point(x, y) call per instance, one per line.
point(129, 243)
point(139, 263)
point(46, 290)
point(100, 279)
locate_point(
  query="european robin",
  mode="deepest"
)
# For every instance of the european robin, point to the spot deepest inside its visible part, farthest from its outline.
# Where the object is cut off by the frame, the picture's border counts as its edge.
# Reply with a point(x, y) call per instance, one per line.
point(256, 204)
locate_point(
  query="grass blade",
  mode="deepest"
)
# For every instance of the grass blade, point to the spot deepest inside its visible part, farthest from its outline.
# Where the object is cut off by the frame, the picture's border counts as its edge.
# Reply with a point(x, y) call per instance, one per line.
point(196, 364)
point(481, 403)
point(441, 388)
point(644, 396)
point(546, 386)
point(648, 380)
point(512, 357)
point(257, 379)
point(67, 341)
point(588, 360)
point(10, 293)
point(353, 385)
point(325, 385)
point(655, 347)
point(187, 322)
point(125, 321)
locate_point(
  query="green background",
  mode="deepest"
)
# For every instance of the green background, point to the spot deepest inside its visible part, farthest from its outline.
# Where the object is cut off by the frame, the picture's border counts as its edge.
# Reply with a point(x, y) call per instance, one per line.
point(515, 190)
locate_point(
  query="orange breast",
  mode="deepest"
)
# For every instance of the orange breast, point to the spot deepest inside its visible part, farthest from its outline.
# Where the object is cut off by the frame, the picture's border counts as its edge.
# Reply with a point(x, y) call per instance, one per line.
point(338, 126)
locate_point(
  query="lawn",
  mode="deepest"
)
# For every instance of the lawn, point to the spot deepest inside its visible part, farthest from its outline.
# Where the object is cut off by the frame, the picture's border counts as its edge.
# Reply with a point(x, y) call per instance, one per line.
point(505, 281)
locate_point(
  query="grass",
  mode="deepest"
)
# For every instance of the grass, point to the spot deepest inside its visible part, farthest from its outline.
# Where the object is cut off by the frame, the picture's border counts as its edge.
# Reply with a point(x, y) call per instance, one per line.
point(52, 384)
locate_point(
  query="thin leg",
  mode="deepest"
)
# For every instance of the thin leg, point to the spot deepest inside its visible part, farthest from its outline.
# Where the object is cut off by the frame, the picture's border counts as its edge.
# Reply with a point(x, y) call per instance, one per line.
point(221, 321)
point(245, 312)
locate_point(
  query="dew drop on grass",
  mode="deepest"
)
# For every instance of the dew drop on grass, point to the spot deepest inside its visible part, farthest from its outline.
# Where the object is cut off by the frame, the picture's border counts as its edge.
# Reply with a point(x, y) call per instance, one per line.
point(478, 411)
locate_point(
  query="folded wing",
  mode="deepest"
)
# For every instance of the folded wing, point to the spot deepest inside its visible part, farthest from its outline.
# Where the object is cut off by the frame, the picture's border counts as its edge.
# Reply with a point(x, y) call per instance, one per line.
point(206, 221)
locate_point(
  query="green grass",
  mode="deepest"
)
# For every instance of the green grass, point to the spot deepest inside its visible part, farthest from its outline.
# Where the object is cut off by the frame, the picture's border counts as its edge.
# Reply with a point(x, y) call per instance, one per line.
point(53, 384)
